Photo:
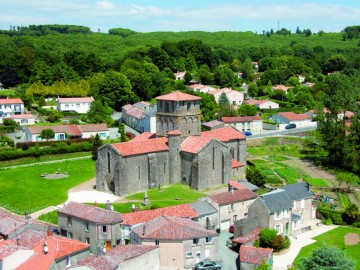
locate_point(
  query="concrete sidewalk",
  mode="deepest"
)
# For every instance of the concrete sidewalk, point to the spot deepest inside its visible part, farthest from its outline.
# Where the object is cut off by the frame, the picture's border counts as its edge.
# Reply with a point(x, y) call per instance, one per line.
point(281, 262)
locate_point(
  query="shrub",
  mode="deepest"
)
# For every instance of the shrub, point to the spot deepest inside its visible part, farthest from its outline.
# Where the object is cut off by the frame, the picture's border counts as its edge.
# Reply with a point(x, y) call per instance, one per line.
point(287, 242)
point(266, 237)
point(74, 121)
point(10, 123)
point(278, 243)
point(84, 118)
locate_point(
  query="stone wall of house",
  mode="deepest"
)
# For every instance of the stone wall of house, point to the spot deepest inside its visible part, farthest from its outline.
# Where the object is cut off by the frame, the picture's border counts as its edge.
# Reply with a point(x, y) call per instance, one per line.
point(62, 264)
point(258, 211)
point(147, 261)
point(206, 250)
point(245, 226)
point(247, 266)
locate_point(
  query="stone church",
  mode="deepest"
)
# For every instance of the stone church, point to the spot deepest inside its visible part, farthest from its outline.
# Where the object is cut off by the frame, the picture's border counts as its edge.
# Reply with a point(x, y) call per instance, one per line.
point(178, 153)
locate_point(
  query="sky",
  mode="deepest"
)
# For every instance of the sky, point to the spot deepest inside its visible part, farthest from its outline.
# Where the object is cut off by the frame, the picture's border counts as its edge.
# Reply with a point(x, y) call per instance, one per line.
point(184, 15)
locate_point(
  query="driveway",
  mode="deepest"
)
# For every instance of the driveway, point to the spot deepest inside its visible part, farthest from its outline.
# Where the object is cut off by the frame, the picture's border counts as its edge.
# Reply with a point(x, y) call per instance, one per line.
point(229, 258)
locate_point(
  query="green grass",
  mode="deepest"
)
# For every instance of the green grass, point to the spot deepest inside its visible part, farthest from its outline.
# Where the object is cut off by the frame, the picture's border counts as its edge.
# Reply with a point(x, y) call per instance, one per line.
point(8, 92)
point(344, 200)
point(33, 160)
point(289, 174)
point(273, 180)
point(316, 182)
point(51, 217)
point(334, 238)
point(277, 158)
point(23, 189)
point(267, 171)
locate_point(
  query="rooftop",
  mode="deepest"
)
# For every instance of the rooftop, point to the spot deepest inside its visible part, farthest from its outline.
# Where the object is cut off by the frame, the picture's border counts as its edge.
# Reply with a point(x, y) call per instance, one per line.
point(251, 236)
point(224, 134)
point(178, 96)
point(71, 130)
point(276, 200)
point(92, 127)
point(11, 101)
point(138, 147)
point(75, 99)
point(298, 191)
point(230, 197)
point(203, 208)
point(241, 119)
point(22, 116)
point(254, 255)
point(294, 116)
point(194, 144)
point(236, 164)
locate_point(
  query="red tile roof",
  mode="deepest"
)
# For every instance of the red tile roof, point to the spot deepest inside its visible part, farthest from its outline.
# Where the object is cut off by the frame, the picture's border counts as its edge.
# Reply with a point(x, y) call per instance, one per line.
point(236, 185)
point(144, 136)
point(182, 210)
point(240, 119)
point(11, 101)
point(172, 228)
point(71, 130)
point(251, 236)
point(282, 87)
point(116, 256)
point(75, 99)
point(91, 213)
point(29, 238)
point(233, 197)
point(255, 101)
point(254, 255)
point(235, 164)
point(294, 116)
point(136, 113)
point(224, 134)
point(138, 147)
point(127, 107)
point(92, 127)
point(196, 86)
point(194, 144)
point(178, 96)
point(22, 116)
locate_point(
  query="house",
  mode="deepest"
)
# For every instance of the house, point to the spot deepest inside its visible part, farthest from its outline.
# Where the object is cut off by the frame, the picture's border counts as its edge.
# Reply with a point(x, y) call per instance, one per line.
point(23, 119)
point(138, 217)
point(10, 106)
point(126, 257)
point(141, 116)
point(178, 153)
point(231, 206)
point(308, 84)
point(180, 75)
point(90, 224)
point(241, 184)
point(182, 241)
point(301, 79)
point(282, 87)
point(201, 88)
point(214, 124)
point(235, 98)
point(90, 130)
point(252, 124)
point(262, 104)
point(207, 215)
point(76, 104)
point(62, 132)
point(252, 257)
point(300, 120)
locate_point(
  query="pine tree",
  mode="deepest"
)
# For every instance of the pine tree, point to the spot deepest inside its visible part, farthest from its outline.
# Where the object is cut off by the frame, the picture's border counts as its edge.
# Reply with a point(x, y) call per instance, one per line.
point(96, 144)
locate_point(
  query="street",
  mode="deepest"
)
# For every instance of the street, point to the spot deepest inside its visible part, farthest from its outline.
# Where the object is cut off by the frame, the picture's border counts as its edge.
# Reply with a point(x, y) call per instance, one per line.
point(229, 258)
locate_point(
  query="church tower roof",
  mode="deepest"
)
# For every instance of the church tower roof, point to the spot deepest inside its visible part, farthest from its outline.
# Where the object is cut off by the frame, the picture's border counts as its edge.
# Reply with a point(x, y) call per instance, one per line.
point(177, 96)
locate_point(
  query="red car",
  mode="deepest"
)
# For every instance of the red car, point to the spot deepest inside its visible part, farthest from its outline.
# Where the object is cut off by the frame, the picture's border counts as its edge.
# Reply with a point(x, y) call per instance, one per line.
point(231, 228)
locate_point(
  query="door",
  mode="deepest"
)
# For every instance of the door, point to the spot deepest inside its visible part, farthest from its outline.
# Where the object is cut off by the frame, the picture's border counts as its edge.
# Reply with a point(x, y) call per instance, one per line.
point(225, 225)
point(198, 255)
point(108, 245)
point(287, 228)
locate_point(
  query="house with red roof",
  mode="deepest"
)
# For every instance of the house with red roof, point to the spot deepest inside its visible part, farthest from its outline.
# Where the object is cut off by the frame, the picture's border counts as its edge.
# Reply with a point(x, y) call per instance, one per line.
point(251, 124)
point(201, 88)
point(301, 119)
point(235, 98)
point(252, 257)
point(262, 104)
point(10, 106)
point(98, 227)
point(231, 206)
point(282, 87)
point(90, 130)
point(23, 119)
point(74, 104)
point(182, 241)
point(178, 153)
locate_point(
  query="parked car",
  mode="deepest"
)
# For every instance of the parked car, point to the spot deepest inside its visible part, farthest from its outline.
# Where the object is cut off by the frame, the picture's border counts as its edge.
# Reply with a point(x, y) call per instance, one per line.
point(207, 265)
point(231, 228)
point(290, 126)
point(247, 133)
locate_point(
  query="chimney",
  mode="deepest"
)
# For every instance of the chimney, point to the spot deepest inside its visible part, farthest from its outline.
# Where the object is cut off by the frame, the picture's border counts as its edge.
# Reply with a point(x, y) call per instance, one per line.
point(50, 232)
point(18, 242)
point(232, 189)
point(144, 230)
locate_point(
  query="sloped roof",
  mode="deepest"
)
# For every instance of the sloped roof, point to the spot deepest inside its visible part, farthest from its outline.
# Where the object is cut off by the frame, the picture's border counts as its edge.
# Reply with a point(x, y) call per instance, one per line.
point(203, 208)
point(298, 191)
point(251, 236)
point(71, 130)
point(91, 213)
point(255, 101)
point(294, 116)
point(137, 147)
point(178, 96)
point(136, 112)
point(233, 197)
point(194, 144)
point(241, 119)
point(22, 116)
point(182, 210)
point(236, 164)
point(11, 101)
point(254, 255)
point(144, 136)
point(174, 132)
point(127, 107)
point(172, 228)
point(224, 134)
point(276, 200)
point(75, 99)
point(115, 256)
point(7, 250)
point(213, 123)
point(92, 127)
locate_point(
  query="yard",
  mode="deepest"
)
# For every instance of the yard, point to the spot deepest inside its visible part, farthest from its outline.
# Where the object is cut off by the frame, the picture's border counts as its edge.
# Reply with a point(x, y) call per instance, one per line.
point(336, 238)
point(23, 189)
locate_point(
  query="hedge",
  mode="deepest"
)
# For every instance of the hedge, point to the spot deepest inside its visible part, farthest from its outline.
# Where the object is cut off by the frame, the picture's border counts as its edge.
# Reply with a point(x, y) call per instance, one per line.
point(24, 145)
point(7, 129)
point(334, 215)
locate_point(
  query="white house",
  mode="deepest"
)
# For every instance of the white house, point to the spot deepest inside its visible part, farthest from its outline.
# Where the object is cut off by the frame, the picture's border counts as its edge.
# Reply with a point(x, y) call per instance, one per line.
point(201, 88)
point(90, 130)
point(235, 98)
point(302, 119)
point(180, 75)
point(245, 123)
point(282, 87)
point(262, 104)
point(23, 119)
point(10, 106)
point(78, 104)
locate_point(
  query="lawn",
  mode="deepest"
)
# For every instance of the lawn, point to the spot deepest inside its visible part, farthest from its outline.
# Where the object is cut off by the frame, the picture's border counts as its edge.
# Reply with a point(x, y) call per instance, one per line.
point(334, 238)
point(289, 174)
point(51, 217)
point(23, 189)
point(316, 182)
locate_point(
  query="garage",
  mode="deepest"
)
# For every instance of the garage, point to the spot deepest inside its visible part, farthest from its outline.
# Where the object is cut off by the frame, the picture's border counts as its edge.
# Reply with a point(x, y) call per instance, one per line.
point(225, 225)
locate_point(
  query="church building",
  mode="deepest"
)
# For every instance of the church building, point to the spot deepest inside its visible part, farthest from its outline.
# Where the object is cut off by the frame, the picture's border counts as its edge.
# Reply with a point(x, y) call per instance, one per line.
point(178, 153)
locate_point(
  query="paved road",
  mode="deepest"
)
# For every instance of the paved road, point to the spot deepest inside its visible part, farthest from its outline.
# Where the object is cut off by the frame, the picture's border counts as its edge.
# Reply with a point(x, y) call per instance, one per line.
point(229, 258)
point(280, 132)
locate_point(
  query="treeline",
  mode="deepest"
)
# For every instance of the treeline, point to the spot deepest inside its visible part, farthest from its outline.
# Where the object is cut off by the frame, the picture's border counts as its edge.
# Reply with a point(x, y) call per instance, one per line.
point(46, 29)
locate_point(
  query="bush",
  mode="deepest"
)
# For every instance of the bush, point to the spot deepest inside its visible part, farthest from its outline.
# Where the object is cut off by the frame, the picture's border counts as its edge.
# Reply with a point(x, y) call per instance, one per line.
point(266, 237)
point(287, 242)
point(9, 123)
point(278, 243)
point(84, 118)
point(5, 140)
point(74, 121)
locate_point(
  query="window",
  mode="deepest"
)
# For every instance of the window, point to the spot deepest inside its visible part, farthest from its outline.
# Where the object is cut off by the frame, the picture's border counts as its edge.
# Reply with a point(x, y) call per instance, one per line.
point(195, 241)
point(69, 221)
point(208, 239)
point(24, 121)
point(69, 235)
point(231, 207)
point(294, 205)
point(188, 255)
point(104, 229)
point(86, 225)
point(234, 218)
point(302, 203)
point(108, 156)
point(61, 136)
point(277, 215)
point(78, 105)
point(245, 215)
point(278, 228)
point(157, 242)
point(66, 105)
point(87, 240)
point(295, 224)
point(213, 158)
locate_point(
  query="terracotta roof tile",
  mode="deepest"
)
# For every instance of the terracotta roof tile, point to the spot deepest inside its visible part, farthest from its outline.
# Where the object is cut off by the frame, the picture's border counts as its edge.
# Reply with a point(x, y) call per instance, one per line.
point(172, 228)
point(144, 136)
point(92, 127)
point(251, 236)
point(138, 147)
point(136, 113)
point(8, 249)
point(224, 134)
point(255, 101)
point(22, 116)
point(254, 255)
point(294, 116)
point(71, 130)
point(235, 164)
point(75, 99)
point(233, 197)
point(240, 119)
point(91, 213)
point(178, 96)
point(183, 210)
point(282, 87)
point(193, 144)
point(11, 101)
point(127, 107)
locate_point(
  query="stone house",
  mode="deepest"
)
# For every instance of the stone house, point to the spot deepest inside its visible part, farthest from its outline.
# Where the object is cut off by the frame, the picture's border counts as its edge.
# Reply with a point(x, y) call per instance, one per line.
point(74, 104)
point(262, 104)
point(231, 206)
point(207, 215)
point(10, 106)
point(252, 257)
point(182, 241)
point(252, 124)
point(125, 257)
point(98, 227)
point(179, 153)
point(141, 116)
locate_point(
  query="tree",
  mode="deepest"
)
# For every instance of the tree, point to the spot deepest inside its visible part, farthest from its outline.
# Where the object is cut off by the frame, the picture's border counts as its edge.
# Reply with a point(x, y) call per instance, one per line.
point(223, 100)
point(335, 62)
point(263, 266)
point(255, 176)
point(47, 134)
point(42, 101)
point(247, 110)
point(95, 146)
point(122, 132)
point(253, 90)
point(351, 213)
point(326, 258)
point(99, 113)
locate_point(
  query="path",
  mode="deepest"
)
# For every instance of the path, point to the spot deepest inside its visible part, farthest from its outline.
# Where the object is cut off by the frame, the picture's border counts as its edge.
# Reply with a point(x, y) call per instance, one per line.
point(282, 261)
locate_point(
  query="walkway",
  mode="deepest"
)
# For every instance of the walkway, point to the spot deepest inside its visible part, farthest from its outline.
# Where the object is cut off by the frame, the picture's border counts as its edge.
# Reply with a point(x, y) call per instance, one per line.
point(281, 262)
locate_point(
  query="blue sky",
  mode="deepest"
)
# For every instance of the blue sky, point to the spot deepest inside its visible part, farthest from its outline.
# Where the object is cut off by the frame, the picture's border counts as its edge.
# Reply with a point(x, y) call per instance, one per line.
point(185, 15)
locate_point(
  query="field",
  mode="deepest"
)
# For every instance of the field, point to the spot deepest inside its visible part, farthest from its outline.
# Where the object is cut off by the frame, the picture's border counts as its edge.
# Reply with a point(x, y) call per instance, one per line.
point(23, 189)
point(334, 238)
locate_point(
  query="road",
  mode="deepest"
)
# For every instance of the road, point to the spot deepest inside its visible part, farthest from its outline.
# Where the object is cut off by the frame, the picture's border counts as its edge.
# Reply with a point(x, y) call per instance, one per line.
point(281, 132)
point(229, 258)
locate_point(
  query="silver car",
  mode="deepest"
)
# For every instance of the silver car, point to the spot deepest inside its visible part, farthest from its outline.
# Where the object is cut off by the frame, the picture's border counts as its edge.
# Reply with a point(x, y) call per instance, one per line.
point(207, 265)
